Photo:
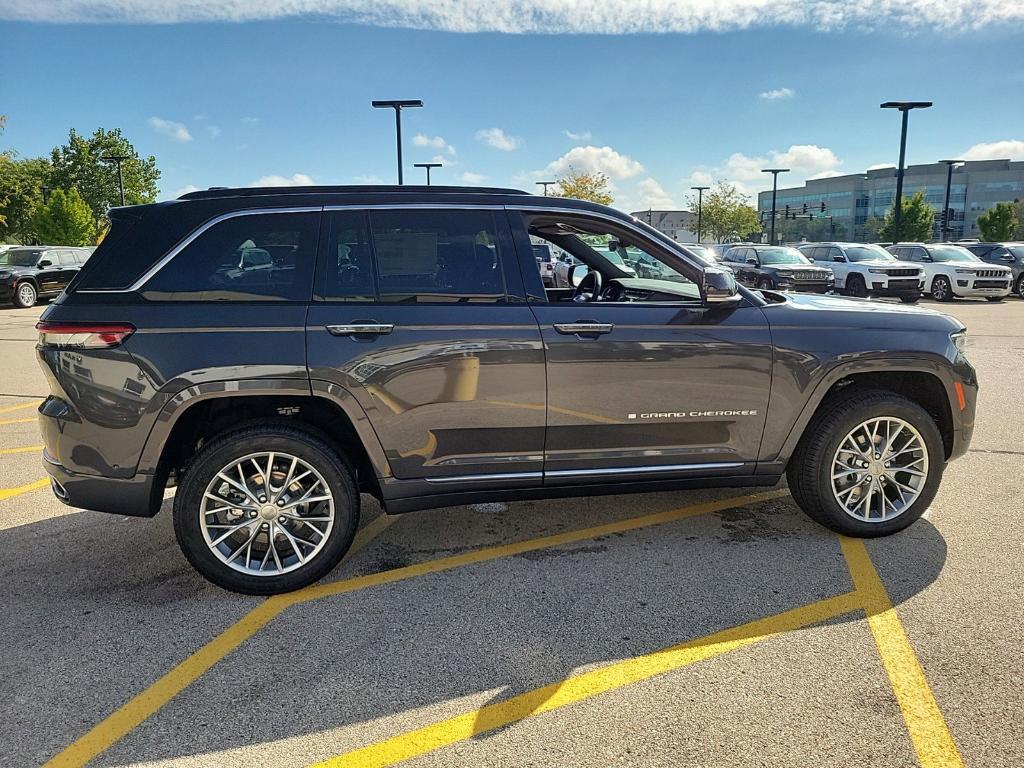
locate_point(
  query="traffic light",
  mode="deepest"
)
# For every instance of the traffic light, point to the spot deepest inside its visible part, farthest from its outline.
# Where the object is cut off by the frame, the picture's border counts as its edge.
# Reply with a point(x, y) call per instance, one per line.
point(823, 206)
point(787, 212)
point(805, 207)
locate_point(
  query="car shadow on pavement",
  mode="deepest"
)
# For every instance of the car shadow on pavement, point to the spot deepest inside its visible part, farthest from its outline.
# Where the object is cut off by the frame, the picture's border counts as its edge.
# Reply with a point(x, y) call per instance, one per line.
point(105, 605)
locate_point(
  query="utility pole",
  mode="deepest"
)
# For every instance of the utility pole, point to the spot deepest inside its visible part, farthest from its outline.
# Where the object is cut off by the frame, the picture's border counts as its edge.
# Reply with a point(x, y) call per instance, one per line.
point(545, 184)
point(950, 164)
point(398, 105)
point(700, 209)
point(904, 107)
point(428, 166)
point(775, 186)
point(117, 160)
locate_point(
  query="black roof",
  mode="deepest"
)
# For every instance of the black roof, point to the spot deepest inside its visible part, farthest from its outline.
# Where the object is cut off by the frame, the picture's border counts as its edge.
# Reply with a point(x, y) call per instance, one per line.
point(382, 189)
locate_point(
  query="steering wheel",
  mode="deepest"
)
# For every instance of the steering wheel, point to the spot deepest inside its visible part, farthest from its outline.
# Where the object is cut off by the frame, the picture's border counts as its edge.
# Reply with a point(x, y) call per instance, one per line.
point(589, 288)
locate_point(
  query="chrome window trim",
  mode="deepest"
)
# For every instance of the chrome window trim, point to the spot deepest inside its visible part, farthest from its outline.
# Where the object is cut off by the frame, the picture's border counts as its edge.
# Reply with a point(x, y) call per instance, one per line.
point(413, 206)
point(485, 478)
point(641, 470)
point(183, 244)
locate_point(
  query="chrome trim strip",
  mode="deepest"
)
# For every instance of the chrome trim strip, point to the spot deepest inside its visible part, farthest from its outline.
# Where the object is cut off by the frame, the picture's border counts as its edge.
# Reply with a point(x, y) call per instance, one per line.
point(353, 329)
point(482, 478)
point(641, 470)
point(166, 258)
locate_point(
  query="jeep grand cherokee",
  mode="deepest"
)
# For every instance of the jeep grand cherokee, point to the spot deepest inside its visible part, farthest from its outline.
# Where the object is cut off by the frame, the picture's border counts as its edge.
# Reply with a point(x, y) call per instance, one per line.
point(275, 353)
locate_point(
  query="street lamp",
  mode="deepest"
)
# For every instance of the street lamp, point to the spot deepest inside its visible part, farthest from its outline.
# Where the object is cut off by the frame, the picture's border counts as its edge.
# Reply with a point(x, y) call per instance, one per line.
point(117, 160)
point(398, 105)
point(950, 164)
point(904, 107)
point(545, 184)
point(775, 185)
point(700, 208)
point(428, 166)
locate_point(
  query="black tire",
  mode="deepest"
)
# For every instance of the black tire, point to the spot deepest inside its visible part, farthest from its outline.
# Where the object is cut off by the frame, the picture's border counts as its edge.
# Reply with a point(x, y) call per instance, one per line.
point(25, 295)
point(766, 284)
point(270, 436)
point(855, 286)
point(1020, 286)
point(995, 299)
point(910, 299)
point(942, 290)
point(809, 469)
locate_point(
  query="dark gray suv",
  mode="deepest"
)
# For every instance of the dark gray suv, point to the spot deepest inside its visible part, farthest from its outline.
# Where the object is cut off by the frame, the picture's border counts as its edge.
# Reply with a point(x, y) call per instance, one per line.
point(276, 353)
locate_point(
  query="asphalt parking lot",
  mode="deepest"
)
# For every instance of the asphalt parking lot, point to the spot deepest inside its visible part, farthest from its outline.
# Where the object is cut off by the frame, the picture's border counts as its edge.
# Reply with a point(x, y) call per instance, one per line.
point(706, 628)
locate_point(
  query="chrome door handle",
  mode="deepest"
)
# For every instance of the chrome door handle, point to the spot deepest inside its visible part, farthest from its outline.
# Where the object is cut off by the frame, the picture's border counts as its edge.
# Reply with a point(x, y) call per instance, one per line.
point(584, 328)
point(359, 329)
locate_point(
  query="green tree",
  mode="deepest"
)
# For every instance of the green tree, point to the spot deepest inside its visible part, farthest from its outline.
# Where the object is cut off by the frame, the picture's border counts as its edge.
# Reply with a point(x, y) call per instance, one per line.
point(917, 224)
point(65, 220)
point(584, 186)
point(872, 228)
point(77, 165)
point(998, 223)
point(1018, 212)
point(22, 182)
point(726, 213)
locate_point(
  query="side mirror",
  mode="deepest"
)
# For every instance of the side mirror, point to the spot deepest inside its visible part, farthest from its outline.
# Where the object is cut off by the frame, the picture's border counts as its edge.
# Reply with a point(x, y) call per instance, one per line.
point(719, 287)
point(44, 263)
point(839, 257)
point(577, 273)
point(752, 262)
point(614, 245)
point(1008, 258)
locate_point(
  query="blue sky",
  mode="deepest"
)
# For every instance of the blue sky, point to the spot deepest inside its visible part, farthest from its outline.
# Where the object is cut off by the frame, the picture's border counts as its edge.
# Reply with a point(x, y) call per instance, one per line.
point(233, 102)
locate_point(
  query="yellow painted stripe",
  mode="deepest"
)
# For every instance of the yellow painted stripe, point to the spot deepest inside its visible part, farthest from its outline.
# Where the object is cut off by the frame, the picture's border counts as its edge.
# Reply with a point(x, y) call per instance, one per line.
point(9, 408)
point(586, 685)
point(928, 730)
point(19, 421)
point(115, 727)
point(6, 493)
point(25, 449)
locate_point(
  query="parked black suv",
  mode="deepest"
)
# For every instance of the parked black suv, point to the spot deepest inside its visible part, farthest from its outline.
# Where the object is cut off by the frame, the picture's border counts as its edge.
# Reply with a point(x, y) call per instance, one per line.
point(1005, 254)
point(777, 267)
point(30, 273)
point(276, 352)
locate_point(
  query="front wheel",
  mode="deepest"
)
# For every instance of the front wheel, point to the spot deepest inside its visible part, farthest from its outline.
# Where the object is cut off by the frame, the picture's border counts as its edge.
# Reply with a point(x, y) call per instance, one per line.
point(266, 509)
point(868, 465)
point(1020, 286)
point(910, 299)
point(941, 289)
point(25, 295)
point(856, 287)
point(994, 298)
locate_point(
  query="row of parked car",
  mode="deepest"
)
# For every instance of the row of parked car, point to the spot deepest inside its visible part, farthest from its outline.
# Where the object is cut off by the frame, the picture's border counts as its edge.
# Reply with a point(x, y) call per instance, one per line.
point(906, 271)
point(29, 273)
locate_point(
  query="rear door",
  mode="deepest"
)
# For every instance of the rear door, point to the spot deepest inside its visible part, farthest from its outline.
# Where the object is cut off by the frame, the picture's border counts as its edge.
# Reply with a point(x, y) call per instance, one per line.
point(419, 314)
point(49, 275)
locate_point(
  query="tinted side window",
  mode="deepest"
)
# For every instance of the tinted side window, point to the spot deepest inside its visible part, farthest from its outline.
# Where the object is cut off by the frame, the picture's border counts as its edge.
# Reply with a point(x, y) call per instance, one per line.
point(347, 272)
point(67, 258)
point(257, 257)
point(444, 255)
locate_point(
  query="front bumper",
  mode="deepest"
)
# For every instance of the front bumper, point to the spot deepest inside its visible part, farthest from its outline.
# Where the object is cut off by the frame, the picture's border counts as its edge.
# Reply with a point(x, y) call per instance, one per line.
point(969, 287)
point(805, 286)
point(137, 496)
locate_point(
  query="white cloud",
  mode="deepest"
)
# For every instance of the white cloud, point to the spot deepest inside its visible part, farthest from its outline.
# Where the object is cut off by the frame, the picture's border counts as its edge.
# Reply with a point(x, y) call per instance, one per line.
point(777, 94)
point(436, 142)
point(590, 159)
point(472, 178)
point(581, 136)
point(880, 166)
point(805, 161)
point(251, 120)
point(497, 138)
point(214, 131)
point(185, 190)
point(650, 194)
point(295, 180)
point(545, 16)
point(701, 179)
point(368, 180)
point(170, 128)
point(1008, 149)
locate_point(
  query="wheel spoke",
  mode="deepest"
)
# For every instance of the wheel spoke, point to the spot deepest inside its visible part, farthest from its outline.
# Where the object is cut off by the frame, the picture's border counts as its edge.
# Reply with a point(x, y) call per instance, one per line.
point(291, 540)
point(231, 531)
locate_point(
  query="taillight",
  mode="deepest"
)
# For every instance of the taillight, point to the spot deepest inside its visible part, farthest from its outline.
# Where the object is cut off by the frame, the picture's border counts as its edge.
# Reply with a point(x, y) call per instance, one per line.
point(83, 335)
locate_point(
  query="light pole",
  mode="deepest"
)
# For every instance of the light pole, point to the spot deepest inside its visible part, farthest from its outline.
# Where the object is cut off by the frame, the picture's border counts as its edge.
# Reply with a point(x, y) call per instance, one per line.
point(775, 186)
point(950, 164)
point(398, 105)
point(897, 211)
point(428, 166)
point(700, 209)
point(117, 160)
point(545, 184)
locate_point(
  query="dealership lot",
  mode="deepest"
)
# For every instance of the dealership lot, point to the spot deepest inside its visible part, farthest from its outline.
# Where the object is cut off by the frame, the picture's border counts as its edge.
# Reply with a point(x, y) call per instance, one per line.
point(533, 633)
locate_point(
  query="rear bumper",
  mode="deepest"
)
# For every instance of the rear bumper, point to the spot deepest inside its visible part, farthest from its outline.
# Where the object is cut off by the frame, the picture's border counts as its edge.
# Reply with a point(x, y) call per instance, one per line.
point(136, 496)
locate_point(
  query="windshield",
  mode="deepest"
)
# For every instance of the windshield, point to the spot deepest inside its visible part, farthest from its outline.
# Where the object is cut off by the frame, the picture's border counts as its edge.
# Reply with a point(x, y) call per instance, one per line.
point(951, 253)
point(1017, 250)
point(705, 254)
point(868, 253)
point(781, 256)
point(19, 258)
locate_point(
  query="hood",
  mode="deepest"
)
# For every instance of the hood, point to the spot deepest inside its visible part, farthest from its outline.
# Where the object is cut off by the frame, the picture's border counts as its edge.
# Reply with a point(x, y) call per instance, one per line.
point(797, 268)
point(837, 311)
point(889, 264)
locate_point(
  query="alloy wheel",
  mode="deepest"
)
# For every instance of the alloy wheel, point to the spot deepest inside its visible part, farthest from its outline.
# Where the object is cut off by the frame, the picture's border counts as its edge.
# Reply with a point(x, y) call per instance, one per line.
point(267, 513)
point(879, 469)
point(940, 289)
point(26, 294)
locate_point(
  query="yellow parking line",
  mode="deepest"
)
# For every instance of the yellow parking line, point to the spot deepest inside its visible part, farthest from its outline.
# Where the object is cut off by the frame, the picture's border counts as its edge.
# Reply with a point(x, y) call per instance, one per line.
point(33, 404)
point(25, 449)
point(134, 712)
point(6, 493)
point(928, 730)
point(19, 421)
point(587, 685)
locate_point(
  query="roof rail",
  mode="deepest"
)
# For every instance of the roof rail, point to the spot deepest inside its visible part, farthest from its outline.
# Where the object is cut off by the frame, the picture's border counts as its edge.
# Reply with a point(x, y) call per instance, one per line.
point(356, 189)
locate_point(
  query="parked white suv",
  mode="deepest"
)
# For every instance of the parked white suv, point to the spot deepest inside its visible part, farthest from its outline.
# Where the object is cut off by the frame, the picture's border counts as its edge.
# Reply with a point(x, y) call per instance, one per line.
point(867, 270)
point(952, 271)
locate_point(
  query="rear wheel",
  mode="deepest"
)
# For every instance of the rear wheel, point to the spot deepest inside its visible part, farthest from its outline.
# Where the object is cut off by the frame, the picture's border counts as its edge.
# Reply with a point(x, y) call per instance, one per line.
point(855, 286)
point(266, 509)
point(995, 298)
point(910, 299)
point(765, 284)
point(1020, 286)
point(25, 295)
point(869, 464)
point(941, 289)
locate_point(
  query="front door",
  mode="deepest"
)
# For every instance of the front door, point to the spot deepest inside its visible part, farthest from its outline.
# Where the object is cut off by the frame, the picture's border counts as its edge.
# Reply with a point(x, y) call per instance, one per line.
point(640, 389)
point(419, 315)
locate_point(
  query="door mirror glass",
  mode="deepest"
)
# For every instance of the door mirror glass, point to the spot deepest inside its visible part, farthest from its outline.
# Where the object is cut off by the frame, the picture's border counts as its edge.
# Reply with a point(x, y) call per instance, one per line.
point(44, 263)
point(839, 257)
point(752, 261)
point(719, 287)
point(577, 273)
